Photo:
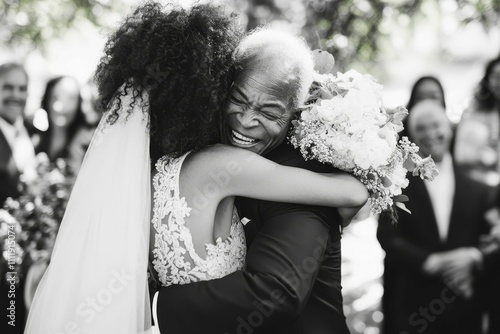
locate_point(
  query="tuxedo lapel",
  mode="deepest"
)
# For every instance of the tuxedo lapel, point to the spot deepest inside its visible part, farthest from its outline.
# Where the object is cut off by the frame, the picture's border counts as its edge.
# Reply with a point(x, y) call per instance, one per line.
point(7, 164)
point(456, 211)
point(9, 174)
point(423, 206)
point(462, 212)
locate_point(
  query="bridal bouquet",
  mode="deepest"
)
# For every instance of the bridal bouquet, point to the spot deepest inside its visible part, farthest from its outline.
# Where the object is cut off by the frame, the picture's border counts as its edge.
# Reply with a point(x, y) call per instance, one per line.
point(345, 124)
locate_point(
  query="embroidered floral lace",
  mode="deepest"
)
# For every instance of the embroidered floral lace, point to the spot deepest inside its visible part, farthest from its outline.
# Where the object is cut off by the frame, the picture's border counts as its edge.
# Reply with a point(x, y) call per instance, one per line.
point(175, 259)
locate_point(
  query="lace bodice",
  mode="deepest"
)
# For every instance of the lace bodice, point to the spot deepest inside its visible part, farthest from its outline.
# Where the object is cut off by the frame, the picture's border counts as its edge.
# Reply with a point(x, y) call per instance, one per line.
point(175, 259)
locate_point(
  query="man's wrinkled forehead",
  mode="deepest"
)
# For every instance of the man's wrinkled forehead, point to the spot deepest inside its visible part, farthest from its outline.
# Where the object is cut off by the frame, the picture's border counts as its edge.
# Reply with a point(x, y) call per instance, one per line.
point(271, 74)
point(427, 111)
point(5, 72)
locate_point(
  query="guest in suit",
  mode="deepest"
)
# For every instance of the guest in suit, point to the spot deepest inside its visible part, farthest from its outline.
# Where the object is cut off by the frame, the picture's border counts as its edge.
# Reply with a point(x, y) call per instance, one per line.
point(16, 151)
point(292, 280)
point(491, 243)
point(433, 262)
point(16, 156)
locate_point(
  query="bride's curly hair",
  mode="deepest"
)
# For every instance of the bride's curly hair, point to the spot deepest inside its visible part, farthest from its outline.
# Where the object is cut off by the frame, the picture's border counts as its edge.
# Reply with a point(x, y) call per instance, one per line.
point(182, 59)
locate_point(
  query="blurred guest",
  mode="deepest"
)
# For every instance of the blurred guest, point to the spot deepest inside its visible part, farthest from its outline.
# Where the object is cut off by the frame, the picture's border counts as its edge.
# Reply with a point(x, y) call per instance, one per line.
point(433, 262)
point(17, 156)
point(81, 141)
point(425, 88)
point(16, 150)
point(491, 243)
point(62, 103)
point(477, 142)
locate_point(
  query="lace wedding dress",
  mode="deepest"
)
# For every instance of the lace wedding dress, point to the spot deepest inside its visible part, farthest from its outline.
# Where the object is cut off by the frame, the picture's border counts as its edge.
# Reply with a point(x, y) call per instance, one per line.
point(175, 259)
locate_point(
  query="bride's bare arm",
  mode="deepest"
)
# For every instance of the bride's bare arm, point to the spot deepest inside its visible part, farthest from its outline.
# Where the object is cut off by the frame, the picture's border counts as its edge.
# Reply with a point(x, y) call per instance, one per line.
point(240, 172)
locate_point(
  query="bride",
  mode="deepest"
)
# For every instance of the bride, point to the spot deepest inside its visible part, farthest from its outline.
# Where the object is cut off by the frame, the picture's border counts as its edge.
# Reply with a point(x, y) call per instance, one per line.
point(164, 82)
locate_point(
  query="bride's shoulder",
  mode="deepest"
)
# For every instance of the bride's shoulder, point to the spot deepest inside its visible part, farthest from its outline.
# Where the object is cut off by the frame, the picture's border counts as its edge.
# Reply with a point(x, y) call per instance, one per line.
point(221, 150)
point(212, 158)
point(221, 154)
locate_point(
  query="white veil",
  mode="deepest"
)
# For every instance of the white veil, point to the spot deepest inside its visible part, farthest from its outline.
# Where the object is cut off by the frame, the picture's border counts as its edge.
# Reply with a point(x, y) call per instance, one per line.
point(97, 278)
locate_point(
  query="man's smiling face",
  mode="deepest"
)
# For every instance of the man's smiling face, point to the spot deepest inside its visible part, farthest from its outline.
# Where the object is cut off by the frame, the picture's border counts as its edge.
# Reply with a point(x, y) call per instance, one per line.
point(430, 129)
point(260, 109)
point(13, 94)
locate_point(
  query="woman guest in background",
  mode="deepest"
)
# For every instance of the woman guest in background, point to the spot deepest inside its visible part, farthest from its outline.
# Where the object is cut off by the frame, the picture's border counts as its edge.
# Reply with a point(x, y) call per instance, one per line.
point(81, 140)
point(477, 140)
point(62, 103)
point(425, 88)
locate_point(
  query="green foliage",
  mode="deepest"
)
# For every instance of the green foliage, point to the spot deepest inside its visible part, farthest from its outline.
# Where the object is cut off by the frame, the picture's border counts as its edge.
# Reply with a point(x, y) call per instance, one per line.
point(34, 22)
point(485, 11)
point(350, 29)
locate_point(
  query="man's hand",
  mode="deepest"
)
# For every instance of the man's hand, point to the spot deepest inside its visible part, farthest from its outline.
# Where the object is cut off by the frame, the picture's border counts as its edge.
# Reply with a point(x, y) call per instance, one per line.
point(495, 233)
point(460, 268)
point(493, 218)
point(457, 266)
point(433, 264)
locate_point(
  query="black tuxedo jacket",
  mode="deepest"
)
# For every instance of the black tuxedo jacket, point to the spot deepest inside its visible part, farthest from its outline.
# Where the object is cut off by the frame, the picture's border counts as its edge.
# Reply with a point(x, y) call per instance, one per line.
point(9, 178)
point(408, 293)
point(9, 174)
point(292, 280)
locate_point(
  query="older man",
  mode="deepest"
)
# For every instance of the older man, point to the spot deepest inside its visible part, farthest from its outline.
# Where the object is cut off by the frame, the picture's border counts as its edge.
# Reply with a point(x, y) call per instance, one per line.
point(433, 262)
point(16, 151)
point(292, 280)
point(16, 156)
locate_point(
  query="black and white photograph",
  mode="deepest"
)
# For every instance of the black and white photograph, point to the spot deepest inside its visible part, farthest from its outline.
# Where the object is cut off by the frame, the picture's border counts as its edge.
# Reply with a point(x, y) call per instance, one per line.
point(250, 166)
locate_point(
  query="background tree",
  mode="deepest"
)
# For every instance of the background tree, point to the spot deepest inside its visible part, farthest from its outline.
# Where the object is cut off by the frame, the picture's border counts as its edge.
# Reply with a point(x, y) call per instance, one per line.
point(32, 23)
point(351, 30)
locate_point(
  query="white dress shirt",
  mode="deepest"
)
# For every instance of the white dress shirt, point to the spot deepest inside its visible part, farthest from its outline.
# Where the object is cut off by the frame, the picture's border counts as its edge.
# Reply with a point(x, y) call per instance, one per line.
point(19, 141)
point(441, 192)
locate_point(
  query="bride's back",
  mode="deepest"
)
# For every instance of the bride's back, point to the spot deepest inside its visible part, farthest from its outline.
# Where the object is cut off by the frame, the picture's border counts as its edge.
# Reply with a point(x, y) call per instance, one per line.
point(194, 230)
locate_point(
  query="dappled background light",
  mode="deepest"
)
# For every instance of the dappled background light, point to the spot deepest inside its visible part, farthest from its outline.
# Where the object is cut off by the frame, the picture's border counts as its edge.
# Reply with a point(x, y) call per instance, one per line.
point(395, 41)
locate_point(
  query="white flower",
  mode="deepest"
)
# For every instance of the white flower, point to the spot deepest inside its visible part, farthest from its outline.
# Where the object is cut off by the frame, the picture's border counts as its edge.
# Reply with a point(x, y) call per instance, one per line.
point(348, 127)
point(399, 180)
point(306, 115)
point(326, 111)
point(389, 134)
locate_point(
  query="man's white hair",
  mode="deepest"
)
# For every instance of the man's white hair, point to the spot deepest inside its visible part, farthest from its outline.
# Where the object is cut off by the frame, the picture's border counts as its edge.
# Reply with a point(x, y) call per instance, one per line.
point(275, 48)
